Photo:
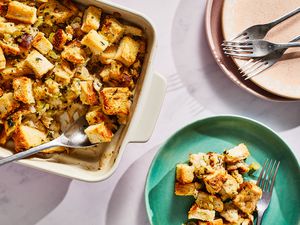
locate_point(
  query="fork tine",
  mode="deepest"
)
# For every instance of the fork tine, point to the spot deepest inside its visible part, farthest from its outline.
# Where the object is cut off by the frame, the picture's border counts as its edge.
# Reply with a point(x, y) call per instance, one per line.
point(239, 55)
point(252, 68)
point(245, 65)
point(262, 171)
point(268, 182)
point(265, 177)
point(266, 66)
point(237, 50)
point(274, 177)
point(232, 48)
point(234, 43)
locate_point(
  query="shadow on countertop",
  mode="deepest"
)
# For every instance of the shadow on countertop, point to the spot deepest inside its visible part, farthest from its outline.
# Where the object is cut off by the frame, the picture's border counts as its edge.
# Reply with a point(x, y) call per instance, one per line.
point(206, 82)
point(27, 195)
point(128, 195)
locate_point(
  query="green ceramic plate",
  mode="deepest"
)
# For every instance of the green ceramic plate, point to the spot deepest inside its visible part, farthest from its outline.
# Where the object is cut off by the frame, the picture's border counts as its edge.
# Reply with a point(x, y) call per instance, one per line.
point(216, 134)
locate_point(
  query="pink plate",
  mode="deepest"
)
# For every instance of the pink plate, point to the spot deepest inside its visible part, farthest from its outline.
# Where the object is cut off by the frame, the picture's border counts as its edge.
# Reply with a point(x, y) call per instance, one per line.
point(215, 37)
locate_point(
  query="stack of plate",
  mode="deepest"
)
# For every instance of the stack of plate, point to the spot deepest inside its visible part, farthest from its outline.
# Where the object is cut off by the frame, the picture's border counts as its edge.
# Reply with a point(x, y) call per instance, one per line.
point(227, 18)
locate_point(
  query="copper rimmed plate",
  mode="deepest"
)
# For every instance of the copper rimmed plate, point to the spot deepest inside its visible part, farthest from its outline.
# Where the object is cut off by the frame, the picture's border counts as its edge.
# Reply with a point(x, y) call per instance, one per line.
point(215, 37)
point(282, 78)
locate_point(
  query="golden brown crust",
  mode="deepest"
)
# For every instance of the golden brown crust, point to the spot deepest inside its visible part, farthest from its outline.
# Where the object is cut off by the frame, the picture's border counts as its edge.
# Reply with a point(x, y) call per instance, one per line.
point(88, 95)
point(115, 101)
point(23, 90)
point(59, 39)
point(248, 197)
point(74, 53)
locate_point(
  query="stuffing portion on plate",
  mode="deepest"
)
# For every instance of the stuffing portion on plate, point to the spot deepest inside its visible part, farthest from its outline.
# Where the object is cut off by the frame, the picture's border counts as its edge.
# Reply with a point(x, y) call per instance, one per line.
point(216, 181)
point(60, 61)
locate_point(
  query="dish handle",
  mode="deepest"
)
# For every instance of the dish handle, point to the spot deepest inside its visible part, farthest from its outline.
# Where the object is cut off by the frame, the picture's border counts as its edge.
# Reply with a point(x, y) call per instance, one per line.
point(145, 118)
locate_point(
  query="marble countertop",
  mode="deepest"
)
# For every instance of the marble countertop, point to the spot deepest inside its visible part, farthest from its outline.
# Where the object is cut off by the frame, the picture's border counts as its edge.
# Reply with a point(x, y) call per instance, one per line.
point(195, 82)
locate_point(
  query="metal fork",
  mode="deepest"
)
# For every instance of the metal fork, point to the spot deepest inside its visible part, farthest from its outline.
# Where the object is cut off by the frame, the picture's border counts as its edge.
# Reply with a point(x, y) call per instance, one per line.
point(254, 67)
point(266, 182)
point(254, 48)
point(260, 31)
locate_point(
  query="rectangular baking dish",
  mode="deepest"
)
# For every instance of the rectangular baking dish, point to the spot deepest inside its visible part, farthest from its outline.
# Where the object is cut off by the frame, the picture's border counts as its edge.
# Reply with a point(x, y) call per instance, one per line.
point(99, 163)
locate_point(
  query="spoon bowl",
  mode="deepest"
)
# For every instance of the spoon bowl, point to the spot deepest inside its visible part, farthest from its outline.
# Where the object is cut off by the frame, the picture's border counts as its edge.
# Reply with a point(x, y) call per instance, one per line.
point(75, 137)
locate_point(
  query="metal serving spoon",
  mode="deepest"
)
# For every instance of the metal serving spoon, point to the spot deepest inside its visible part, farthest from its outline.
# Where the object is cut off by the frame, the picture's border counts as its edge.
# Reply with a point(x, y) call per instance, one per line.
point(74, 137)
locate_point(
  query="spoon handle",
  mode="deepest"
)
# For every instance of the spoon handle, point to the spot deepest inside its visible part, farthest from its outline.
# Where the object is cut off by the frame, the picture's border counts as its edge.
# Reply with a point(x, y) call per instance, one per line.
point(30, 152)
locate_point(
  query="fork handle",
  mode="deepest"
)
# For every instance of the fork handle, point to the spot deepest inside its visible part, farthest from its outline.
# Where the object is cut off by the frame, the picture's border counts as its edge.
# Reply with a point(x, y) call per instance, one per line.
point(283, 18)
point(259, 218)
point(287, 45)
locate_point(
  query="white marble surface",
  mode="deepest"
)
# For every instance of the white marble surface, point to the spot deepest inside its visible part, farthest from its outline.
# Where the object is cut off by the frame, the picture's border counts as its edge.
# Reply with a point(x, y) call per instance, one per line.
point(196, 83)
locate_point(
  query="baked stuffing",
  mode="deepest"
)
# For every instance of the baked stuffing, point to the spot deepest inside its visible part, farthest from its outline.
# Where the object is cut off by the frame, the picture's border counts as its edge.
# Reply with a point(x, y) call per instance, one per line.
point(59, 62)
point(222, 196)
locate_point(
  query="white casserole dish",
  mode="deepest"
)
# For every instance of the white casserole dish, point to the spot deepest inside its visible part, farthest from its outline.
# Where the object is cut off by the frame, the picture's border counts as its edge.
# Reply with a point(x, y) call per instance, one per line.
point(97, 164)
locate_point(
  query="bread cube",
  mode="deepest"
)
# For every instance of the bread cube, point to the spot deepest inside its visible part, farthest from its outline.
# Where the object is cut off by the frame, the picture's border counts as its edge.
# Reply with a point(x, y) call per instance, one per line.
point(21, 12)
point(127, 51)
point(112, 29)
point(215, 222)
point(244, 221)
point(184, 173)
point(38, 63)
point(52, 88)
point(26, 137)
point(62, 76)
point(206, 163)
point(134, 31)
point(19, 69)
point(91, 19)
point(230, 213)
point(237, 153)
point(42, 44)
point(82, 73)
point(95, 41)
point(108, 55)
point(241, 166)
point(2, 60)
point(88, 95)
point(248, 197)
point(10, 48)
point(74, 91)
point(207, 201)
point(117, 75)
point(201, 214)
point(190, 189)
point(95, 116)
point(115, 101)
point(9, 125)
point(7, 28)
point(74, 53)
point(197, 159)
point(216, 161)
point(59, 39)
point(229, 189)
point(237, 176)
point(98, 133)
point(23, 90)
point(215, 181)
point(7, 104)
point(55, 13)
